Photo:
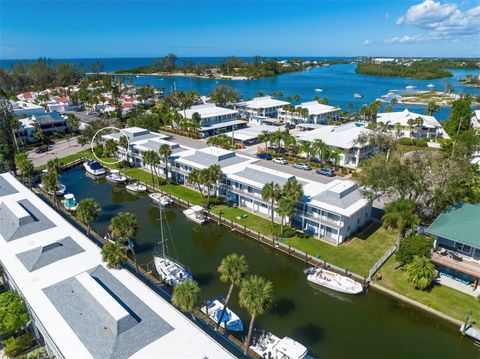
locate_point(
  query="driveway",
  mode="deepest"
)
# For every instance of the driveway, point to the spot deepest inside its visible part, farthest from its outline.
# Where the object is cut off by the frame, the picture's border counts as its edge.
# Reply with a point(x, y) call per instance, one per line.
point(60, 149)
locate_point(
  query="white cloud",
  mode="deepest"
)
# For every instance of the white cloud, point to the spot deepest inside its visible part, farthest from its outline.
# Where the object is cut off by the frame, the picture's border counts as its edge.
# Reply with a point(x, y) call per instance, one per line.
point(367, 42)
point(438, 21)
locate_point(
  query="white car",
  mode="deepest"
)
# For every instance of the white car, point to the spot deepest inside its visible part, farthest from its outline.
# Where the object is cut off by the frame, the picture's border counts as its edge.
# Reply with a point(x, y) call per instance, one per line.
point(280, 160)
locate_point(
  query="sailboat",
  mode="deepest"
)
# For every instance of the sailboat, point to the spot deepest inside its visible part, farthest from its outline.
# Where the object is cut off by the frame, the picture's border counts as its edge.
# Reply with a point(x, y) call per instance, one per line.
point(171, 271)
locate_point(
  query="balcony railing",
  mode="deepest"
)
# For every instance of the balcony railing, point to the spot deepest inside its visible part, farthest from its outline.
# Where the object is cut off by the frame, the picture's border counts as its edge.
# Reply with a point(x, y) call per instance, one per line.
point(452, 260)
point(321, 219)
point(245, 192)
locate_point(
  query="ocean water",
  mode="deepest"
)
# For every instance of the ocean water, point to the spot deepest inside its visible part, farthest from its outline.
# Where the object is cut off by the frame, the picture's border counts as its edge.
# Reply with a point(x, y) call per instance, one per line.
point(337, 82)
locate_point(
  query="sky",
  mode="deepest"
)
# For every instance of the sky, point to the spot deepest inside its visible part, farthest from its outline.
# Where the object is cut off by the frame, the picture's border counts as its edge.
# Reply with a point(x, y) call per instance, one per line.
point(123, 28)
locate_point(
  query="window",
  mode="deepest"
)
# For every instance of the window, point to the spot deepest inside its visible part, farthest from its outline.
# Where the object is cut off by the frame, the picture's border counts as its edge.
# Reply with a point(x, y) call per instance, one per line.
point(463, 248)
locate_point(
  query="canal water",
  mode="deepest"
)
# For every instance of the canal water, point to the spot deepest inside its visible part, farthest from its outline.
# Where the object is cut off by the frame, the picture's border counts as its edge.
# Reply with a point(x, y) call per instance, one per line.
point(331, 325)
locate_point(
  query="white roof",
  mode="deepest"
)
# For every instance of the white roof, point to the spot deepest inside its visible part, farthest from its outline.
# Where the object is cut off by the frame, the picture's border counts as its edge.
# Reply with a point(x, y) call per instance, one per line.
point(223, 124)
point(342, 136)
point(315, 108)
point(402, 118)
point(263, 102)
point(184, 340)
point(252, 132)
point(208, 110)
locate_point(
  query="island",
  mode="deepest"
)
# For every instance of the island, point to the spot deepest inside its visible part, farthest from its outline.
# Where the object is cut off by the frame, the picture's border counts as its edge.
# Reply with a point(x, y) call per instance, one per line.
point(232, 68)
point(418, 69)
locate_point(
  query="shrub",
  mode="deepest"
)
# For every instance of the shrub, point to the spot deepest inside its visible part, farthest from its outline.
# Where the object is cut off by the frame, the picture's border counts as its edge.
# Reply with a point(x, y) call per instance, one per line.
point(123, 164)
point(421, 272)
point(16, 346)
point(405, 141)
point(413, 246)
point(421, 142)
point(37, 353)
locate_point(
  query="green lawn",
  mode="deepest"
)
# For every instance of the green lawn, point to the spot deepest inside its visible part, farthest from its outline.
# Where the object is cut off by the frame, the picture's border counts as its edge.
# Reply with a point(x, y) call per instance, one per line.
point(358, 255)
point(441, 298)
point(182, 192)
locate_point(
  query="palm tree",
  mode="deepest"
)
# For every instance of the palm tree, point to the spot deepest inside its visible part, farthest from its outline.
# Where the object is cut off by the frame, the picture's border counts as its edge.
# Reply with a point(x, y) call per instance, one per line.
point(256, 297)
point(317, 147)
point(232, 269)
point(421, 272)
point(335, 156)
point(206, 181)
point(49, 183)
point(432, 107)
point(150, 158)
point(24, 165)
point(285, 209)
point(194, 179)
point(401, 216)
point(87, 211)
point(165, 151)
point(124, 226)
point(54, 165)
point(186, 296)
point(123, 142)
point(113, 254)
point(293, 189)
point(271, 192)
point(216, 175)
point(264, 136)
point(306, 147)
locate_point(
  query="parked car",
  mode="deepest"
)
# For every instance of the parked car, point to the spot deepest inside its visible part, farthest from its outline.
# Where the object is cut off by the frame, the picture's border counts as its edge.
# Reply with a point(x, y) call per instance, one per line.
point(326, 172)
point(264, 156)
point(280, 160)
point(302, 166)
point(41, 149)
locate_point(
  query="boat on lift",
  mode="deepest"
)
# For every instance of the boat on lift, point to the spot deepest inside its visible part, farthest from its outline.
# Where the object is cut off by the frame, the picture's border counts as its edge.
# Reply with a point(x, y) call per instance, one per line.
point(160, 199)
point(69, 202)
point(94, 168)
point(171, 271)
point(213, 309)
point(333, 281)
point(116, 177)
point(268, 345)
point(136, 187)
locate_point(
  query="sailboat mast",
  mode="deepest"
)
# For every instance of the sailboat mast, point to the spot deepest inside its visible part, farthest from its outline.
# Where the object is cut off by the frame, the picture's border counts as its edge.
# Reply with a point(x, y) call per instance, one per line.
point(161, 230)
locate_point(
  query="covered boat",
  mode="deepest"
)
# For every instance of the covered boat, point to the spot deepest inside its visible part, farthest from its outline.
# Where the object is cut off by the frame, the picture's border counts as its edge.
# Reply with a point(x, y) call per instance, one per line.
point(69, 202)
point(268, 345)
point(94, 168)
point(213, 309)
point(196, 214)
point(136, 187)
point(333, 281)
point(160, 199)
point(116, 177)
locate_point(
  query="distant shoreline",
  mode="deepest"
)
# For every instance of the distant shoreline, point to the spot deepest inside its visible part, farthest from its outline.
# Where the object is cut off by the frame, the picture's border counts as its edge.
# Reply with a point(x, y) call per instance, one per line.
point(180, 74)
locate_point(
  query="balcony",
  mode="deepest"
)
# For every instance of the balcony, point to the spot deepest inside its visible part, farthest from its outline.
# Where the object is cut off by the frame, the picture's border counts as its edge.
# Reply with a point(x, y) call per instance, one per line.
point(321, 219)
point(453, 260)
point(243, 192)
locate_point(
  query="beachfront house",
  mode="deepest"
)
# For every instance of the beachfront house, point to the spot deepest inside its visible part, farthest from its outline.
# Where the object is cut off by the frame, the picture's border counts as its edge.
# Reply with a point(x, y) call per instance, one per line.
point(413, 125)
point(315, 113)
point(214, 119)
point(456, 250)
point(342, 138)
point(331, 212)
point(265, 106)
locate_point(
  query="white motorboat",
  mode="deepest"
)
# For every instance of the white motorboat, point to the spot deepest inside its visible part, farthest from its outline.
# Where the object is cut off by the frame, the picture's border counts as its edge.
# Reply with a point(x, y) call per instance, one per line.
point(430, 85)
point(318, 90)
point(60, 189)
point(196, 214)
point(213, 309)
point(333, 281)
point(69, 202)
point(136, 187)
point(410, 87)
point(357, 95)
point(116, 177)
point(268, 345)
point(94, 168)
point(171, 271)
point(160, 199)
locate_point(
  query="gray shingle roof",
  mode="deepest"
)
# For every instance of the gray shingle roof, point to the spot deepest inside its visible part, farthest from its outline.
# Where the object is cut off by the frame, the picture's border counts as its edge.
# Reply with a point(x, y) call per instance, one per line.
point(207, 160)
point(40, 257)
point(262, 177)
point(12, 227)
point(342, 201)
point(6, 188)
point(103, 335)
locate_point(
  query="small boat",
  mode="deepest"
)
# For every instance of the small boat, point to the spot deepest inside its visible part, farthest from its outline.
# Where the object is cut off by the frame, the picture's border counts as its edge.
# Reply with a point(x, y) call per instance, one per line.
point(318, 90)
point(196, 214)
point(213, 309)
point(60, 191)
point(357, 95)
point(409, 87)
point(69, 202)
point(126, 245)
point(333, 281)
point(116, 177)
point(136, 187)
point(94, 168)
point(268, 345)
point(160, 199)
point(431, 85)
point(171, 271)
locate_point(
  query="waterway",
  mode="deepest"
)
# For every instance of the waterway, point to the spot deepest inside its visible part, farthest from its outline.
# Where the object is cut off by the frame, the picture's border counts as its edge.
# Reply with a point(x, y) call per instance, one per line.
point(331, 325)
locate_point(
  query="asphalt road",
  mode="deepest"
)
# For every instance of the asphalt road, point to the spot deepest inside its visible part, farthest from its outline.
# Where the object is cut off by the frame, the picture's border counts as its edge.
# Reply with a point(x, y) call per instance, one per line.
point(60, 149)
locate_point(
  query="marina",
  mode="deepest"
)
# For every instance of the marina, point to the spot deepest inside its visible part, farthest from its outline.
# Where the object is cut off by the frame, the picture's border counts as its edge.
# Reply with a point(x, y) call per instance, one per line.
point(328, 323)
